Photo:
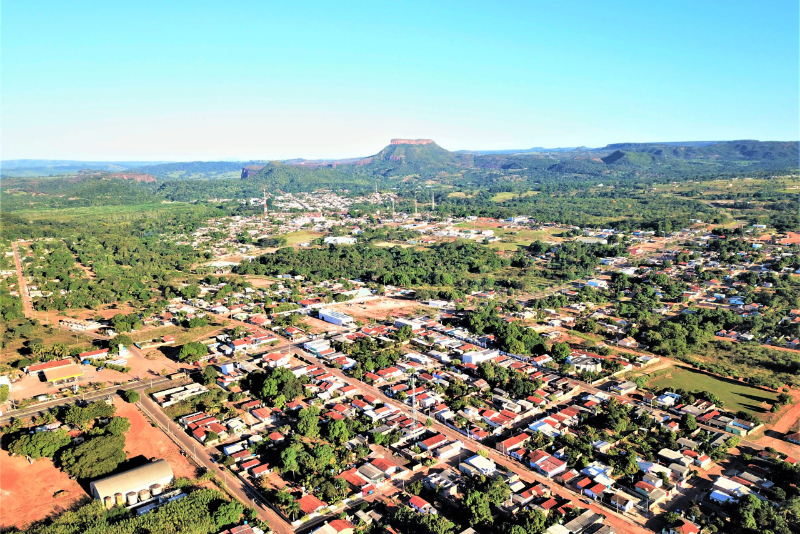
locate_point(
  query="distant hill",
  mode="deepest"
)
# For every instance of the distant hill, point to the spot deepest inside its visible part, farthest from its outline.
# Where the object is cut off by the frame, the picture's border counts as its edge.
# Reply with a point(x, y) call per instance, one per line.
point(193, 170)
point(52, 167)
point(730, 151)
point(414, 156)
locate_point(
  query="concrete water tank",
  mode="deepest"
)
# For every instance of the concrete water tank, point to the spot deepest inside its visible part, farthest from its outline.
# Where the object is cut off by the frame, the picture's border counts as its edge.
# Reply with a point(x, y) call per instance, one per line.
point(144, 495)
point(109, 502)
point(119, 499)
point(132, 498)
point(155, 489)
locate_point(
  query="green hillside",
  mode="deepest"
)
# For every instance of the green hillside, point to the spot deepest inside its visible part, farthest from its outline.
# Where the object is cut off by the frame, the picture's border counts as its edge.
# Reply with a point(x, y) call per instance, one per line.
point(423, 157)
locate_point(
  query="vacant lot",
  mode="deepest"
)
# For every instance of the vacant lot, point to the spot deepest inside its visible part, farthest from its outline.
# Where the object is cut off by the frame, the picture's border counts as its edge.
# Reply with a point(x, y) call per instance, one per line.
point(146, 440)
point(735, 395)
point(378, 309)
point(31, 492)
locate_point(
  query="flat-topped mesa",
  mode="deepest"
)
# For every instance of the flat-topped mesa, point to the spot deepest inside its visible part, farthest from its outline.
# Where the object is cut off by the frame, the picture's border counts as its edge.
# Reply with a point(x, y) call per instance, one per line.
point(412, 141)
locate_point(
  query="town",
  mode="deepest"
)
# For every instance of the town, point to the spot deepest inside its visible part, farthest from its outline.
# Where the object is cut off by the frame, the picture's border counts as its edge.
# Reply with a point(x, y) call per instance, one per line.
point(329, 405)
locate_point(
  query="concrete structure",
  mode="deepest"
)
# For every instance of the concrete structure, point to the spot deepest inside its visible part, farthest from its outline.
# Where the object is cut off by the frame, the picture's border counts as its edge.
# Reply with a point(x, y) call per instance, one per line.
point(334, 317)
point(134, 480)
point(63, 374)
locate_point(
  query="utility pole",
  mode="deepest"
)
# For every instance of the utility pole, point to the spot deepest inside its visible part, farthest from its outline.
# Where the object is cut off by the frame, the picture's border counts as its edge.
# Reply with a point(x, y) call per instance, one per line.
point(415, 204)
point(264, 218)
point(392, 208)
point(414, 401)
point(433, 202)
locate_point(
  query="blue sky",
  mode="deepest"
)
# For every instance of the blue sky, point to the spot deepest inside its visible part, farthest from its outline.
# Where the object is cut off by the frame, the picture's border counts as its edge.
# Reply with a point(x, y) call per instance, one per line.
point(250, 80)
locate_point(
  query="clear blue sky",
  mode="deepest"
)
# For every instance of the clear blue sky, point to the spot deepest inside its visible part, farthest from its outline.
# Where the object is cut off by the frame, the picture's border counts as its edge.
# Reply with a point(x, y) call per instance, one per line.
point(223, 80)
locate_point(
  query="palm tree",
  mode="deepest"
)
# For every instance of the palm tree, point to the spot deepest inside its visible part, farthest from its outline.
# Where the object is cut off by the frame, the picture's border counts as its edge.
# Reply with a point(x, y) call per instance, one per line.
point(292, 508)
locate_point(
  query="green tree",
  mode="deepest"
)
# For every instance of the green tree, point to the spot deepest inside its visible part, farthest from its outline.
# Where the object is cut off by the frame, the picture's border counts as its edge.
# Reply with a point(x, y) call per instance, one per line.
point(337, 432)
point(477, 505)
point(289, 460)
point(192, 352)
point(132, 396)
point(210, 375)
point(689, 422)
point(40, 444)
point(94, 457)
point(308, 423)
point(228, 514)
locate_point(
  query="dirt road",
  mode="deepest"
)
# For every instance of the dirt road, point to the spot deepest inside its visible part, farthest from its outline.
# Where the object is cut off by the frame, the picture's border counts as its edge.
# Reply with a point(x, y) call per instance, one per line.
point(197, 451)
point(27, 307)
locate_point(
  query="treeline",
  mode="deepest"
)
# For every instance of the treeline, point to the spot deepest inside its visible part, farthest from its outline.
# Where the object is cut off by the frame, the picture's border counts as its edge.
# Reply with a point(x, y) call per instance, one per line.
point(204, 511)
point(441, 265)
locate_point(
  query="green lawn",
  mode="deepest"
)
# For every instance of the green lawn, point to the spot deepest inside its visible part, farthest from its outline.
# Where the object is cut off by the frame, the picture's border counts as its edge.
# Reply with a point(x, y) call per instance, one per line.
point(736, 396)
point(302, 236)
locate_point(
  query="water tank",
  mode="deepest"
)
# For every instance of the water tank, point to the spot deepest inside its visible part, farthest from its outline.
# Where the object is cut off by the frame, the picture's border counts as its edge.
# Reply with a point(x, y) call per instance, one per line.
point(155, 489)
point(119, 499)
point(144, 495)
point(109, 502)
point(132, 498)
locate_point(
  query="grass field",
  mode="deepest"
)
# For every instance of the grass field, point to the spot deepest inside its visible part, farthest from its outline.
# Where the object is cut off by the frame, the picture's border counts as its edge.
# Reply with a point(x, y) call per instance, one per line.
point(302, 236)
point(735, 395)
point(501, 197)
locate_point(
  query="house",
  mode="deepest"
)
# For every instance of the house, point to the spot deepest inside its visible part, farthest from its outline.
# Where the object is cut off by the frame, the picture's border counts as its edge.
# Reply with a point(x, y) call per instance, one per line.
point(622, 501)
point(623, 387)
point(546, 464)
point(513, 443)
point(293, 333)
point(310, 504)
point(583, 522)
point(337, 526)
point(793, 438)
point(276, 359)
point(682, 526)
point(431, 443)
point(479, 465)
point(260, 470)
point(421, 505)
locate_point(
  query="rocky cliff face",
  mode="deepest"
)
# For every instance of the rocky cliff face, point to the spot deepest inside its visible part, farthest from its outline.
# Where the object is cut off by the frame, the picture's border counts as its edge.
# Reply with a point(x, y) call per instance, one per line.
point(251, 169)
point(412, 142)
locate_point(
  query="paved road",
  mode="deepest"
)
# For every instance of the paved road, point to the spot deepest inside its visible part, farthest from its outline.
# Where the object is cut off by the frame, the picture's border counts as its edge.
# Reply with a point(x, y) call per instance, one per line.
point(42, 407)
point(621, 524)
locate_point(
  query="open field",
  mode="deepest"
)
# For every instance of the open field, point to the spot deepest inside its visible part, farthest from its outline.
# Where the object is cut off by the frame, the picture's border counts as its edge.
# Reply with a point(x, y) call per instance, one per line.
point(735, 395)
point(13, 349)
point(109, 213)
point(377, 309)
point(143, 439)
point(31, 492)
point(501, 197)
point(302, 236)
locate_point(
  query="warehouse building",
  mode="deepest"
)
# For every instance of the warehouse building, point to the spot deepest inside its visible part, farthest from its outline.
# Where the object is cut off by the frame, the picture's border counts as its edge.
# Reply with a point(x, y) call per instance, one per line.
point(334, 317)
point(146, 478)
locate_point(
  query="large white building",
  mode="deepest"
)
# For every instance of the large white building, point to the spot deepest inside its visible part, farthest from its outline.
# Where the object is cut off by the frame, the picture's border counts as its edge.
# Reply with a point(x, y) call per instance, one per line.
point(339, 240)
point(157, 473)
point(334, 317)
